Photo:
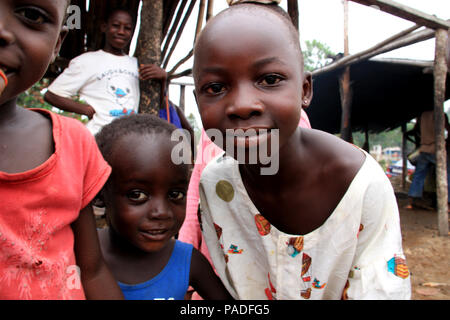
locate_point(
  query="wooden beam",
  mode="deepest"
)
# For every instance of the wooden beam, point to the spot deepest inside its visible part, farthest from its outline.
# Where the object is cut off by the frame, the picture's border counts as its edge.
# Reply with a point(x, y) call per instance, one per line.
point(440, 74)
point(173, 28)
point(399, 40)
point(185, 73)
point(179, 32)
point(408, 13)
point(168, 16)
point(201, 13)
point(179, 63)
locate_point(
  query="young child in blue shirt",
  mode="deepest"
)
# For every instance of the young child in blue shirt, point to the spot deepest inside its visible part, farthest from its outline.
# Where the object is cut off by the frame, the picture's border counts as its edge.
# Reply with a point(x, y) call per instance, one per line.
point(145, 204)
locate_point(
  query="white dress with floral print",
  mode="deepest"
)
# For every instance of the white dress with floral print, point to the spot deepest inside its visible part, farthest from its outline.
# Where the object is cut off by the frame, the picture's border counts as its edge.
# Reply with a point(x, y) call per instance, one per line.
point(356, 253)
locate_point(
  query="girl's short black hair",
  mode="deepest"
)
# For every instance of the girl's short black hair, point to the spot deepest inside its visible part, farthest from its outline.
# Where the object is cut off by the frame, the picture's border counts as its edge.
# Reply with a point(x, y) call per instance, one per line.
point(133, 124)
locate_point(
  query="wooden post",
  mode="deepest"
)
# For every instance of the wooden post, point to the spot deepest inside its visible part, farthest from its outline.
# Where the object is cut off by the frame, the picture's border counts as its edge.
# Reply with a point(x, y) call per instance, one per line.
point(345, 88)
point(366, 146)
point(293, 12)
point(148, 50)
point(404, 159)
point(440, 74)
point(201, 13)
point(182, 96)
point(210, 10)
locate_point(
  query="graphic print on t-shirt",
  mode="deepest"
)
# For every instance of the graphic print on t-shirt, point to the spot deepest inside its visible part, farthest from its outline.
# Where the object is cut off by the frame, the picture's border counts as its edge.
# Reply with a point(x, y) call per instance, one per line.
point(121, 91)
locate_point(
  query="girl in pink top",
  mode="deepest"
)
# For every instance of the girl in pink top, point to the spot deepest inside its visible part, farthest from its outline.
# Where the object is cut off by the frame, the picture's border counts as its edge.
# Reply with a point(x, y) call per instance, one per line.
point(50, 170)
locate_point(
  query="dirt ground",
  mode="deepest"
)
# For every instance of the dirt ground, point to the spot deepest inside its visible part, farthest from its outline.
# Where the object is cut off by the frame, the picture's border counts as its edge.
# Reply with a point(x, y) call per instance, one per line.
point(427, 253)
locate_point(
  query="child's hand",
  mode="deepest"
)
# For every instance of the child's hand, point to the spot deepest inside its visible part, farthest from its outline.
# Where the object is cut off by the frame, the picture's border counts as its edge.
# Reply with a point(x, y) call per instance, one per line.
point(152, 71)
point(89, 111)
point(3, 81)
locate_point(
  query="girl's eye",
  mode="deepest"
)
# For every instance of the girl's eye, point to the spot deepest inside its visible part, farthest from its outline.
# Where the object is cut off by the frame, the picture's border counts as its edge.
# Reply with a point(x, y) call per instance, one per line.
point(32, 15)
point(214, 88)
point(136, 195)
point(270, 80)
point(177, 195)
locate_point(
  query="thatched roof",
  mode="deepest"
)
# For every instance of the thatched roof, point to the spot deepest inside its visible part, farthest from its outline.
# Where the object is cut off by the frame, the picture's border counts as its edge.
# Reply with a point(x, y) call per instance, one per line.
point(386, 93)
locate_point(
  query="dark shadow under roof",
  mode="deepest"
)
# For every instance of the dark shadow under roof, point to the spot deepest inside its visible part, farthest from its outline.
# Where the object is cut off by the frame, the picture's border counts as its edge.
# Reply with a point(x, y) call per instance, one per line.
point(386, 94)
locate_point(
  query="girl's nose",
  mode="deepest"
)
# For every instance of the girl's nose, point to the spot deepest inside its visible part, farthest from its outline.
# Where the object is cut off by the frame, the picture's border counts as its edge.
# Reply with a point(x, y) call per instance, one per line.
point(244, 104)
point(159, 209)
point(122, 30)
point(6, 36)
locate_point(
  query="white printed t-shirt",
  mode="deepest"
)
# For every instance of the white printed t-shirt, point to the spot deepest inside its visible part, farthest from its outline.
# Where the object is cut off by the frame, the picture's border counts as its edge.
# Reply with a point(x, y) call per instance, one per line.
point(109, 83)
point(355, 254)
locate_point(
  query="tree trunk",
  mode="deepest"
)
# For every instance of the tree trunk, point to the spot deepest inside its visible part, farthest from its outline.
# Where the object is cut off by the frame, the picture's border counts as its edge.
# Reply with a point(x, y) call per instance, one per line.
point(440, 74)
point(148, 50)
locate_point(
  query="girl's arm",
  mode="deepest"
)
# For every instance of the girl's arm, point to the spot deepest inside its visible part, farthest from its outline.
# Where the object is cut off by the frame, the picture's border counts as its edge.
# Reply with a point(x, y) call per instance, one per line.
point(69, 105)
point(204, 280)
point(97, 280)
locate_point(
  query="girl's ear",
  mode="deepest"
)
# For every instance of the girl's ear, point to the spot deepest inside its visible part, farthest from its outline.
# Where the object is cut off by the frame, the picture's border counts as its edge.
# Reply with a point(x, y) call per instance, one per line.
point(307, 90)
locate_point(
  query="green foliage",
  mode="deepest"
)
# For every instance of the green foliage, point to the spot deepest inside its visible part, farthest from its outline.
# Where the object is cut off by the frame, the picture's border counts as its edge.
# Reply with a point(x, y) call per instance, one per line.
point(392, 138)
point(316, 55)
point(34, 98)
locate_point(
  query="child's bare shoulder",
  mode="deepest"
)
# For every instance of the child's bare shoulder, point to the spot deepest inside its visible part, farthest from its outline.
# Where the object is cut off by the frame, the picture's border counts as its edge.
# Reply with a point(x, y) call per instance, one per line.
point(332, 151)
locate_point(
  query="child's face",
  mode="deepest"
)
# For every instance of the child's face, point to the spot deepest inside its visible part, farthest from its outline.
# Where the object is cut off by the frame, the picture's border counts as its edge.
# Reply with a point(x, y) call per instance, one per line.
point(146, 196)
point(248, 75)
point(118, 30)
point(31, 34)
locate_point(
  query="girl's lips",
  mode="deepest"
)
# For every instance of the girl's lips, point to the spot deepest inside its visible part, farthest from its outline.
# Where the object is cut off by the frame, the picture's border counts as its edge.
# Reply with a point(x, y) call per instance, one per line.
point(251, 138)
point(7, 72)
point(154, 234)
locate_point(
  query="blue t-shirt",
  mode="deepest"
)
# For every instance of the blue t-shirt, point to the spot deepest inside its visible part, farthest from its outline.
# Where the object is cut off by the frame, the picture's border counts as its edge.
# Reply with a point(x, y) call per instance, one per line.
point(170, 284)
point(174, 118)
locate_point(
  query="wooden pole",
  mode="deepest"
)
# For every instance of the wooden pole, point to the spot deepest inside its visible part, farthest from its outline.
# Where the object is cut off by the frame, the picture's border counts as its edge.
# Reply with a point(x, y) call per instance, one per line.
point(179, 32)
point(210, 10)
point(440, 74)
point(148, 50)
point(345, 87)
point(404, 159)
point(173, 28)
point(182, 96)
point(201, 13)
point(293, 12)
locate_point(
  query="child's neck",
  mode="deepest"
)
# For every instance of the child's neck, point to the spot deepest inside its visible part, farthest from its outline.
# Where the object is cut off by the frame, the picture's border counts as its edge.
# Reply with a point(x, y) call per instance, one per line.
point(9, 111)
point(114, 51)
point(129, 264)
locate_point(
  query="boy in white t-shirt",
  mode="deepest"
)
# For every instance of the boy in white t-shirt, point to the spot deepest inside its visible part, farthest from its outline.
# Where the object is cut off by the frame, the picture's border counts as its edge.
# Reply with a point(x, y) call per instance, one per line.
point(107, 79)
